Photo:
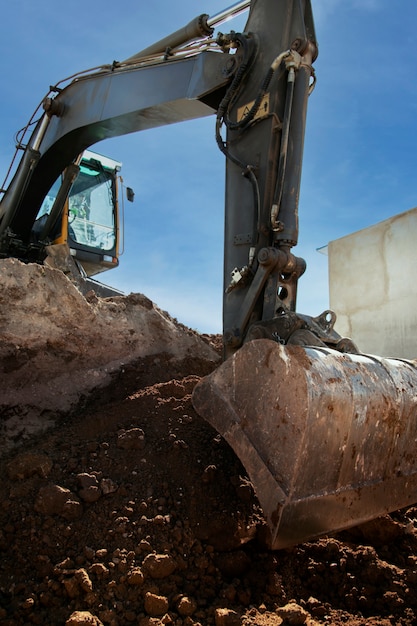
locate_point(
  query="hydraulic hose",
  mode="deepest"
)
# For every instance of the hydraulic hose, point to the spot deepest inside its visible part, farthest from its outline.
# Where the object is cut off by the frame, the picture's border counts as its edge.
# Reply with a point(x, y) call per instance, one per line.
point(245, 121)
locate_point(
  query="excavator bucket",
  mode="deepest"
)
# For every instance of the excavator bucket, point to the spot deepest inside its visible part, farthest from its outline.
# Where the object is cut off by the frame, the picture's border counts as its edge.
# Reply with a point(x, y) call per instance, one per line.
point(328, 439)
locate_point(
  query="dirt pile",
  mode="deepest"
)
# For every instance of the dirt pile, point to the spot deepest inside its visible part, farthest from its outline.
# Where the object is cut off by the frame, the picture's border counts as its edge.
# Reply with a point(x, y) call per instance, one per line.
point(130, 509)
point(58, 347)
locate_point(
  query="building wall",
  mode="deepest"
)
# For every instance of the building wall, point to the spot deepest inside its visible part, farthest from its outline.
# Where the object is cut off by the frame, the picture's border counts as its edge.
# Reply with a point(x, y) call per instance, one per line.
point(373, 286)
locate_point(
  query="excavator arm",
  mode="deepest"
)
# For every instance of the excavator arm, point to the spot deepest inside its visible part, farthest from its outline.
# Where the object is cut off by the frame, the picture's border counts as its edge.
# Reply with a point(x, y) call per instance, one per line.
point(264, 114)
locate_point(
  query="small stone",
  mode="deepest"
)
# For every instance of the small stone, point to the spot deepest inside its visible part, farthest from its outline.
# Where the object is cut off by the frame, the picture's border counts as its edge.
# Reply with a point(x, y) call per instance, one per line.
point(132, 439)
point(29, 603)
point(159, 565)
point(227, 617)
point(87, 480)
point(99, 570)
point(155, 605)
point(316, 608)
point(56, 500)
point(186, 606)
point(101, 553)
point(135, 577)
point(89, 487)
point(83, 580)
point(293, 614)
point(83, 618)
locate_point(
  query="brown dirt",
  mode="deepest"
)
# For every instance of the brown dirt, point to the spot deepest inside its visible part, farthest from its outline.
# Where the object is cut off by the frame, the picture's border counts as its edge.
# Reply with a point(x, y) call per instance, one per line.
point(134, 511)
point(119, 505)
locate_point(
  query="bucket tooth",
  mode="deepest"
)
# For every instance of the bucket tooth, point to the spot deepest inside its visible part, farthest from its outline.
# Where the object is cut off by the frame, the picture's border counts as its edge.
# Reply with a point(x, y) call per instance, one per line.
point(328, 439)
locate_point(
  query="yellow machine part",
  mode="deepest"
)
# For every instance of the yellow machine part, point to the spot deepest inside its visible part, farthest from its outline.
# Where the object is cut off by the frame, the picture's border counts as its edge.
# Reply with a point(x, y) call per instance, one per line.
point(328, 439)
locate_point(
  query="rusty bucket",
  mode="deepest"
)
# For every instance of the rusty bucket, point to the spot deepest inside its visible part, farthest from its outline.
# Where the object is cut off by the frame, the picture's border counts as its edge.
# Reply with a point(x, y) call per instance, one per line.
point(328, 439)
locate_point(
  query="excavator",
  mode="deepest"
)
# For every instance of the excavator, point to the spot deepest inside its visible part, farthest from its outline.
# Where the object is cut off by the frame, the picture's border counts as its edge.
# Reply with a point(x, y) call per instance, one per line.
point(326, 434)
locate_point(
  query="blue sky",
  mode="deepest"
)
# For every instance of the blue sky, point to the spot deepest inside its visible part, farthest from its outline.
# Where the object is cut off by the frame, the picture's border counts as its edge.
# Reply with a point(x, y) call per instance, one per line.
point(359, 159)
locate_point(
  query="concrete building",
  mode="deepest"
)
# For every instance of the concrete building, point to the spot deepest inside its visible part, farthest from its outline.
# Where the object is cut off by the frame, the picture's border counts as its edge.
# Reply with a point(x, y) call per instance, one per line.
point(373, 286)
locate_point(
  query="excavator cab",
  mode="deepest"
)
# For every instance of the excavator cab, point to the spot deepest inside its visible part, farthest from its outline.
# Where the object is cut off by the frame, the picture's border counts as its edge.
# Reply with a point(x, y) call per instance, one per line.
point(90, 223)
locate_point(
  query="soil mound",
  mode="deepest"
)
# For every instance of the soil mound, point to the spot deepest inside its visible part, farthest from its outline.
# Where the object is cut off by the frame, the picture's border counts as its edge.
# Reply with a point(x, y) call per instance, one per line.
point(58, 348)
point(130, 509)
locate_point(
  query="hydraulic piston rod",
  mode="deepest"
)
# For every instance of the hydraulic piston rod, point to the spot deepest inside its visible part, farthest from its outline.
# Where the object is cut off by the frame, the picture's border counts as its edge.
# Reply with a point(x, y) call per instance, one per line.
point(201, 26)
